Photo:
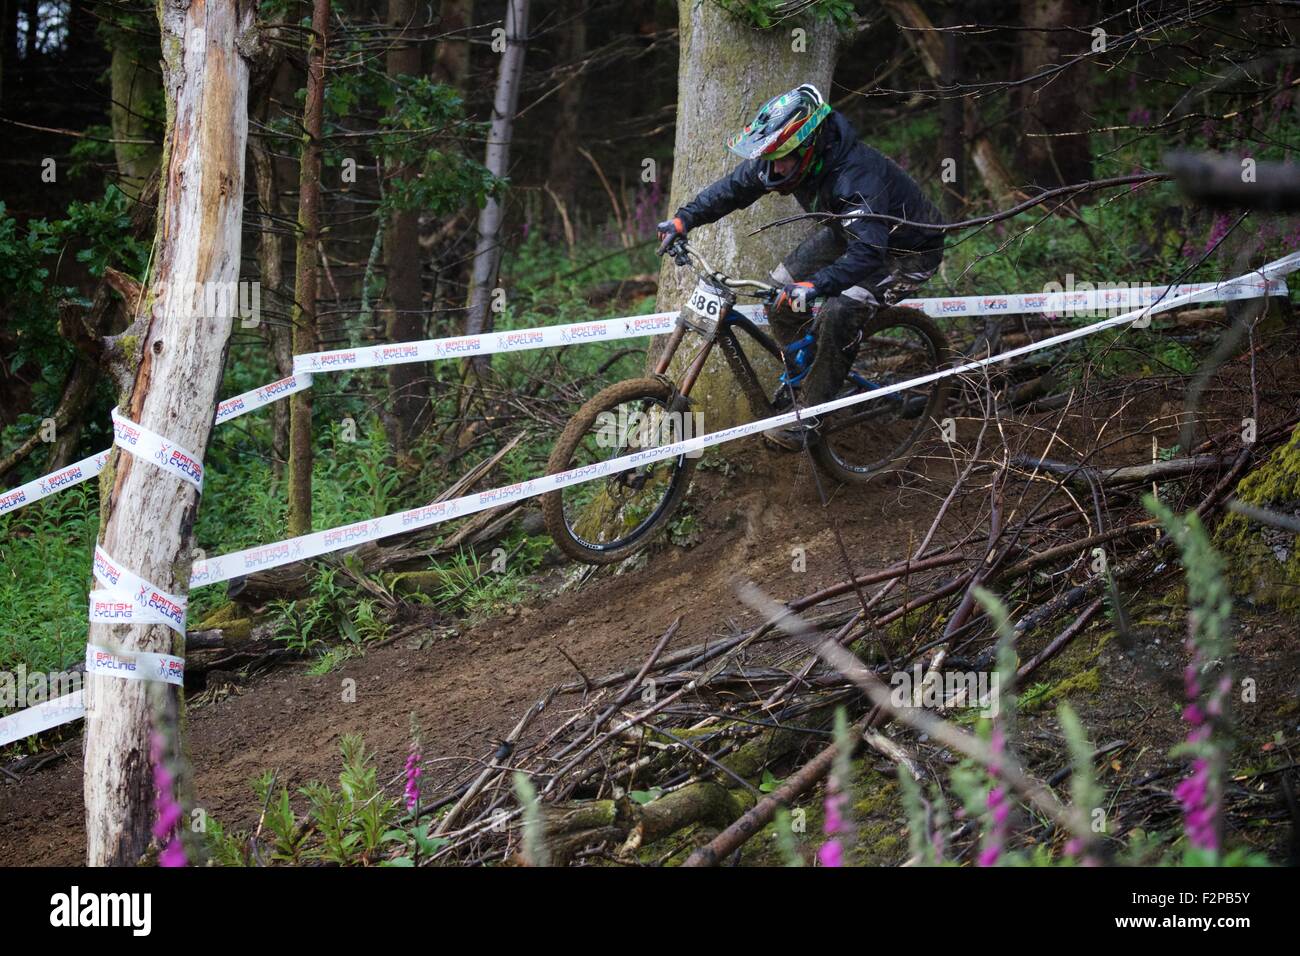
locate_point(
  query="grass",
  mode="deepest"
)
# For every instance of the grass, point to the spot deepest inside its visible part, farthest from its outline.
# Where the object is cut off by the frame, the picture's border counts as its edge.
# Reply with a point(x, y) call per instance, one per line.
point(45, 554)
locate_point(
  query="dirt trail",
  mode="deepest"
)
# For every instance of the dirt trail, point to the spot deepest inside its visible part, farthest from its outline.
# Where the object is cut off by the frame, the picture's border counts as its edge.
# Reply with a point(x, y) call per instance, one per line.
point(467, 690)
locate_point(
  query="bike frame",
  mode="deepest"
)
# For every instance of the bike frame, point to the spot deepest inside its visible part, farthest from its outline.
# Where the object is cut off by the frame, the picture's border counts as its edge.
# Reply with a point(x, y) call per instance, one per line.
point(722, 334)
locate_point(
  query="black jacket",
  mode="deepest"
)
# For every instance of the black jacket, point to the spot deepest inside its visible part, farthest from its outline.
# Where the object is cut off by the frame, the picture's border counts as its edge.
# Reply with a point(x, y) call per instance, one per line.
point(851, 177)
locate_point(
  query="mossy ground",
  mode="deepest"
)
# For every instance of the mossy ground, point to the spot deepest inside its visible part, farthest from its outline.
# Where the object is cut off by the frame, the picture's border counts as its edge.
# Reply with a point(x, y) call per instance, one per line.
point(1264, 562)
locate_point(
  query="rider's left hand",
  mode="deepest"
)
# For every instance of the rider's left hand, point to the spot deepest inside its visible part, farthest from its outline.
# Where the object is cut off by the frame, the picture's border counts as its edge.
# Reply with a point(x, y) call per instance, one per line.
point(670, 230)
point(797, 296)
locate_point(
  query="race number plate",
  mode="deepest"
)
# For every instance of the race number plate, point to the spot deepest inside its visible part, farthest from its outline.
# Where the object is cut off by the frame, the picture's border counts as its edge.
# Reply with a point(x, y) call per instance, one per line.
point(706, 304)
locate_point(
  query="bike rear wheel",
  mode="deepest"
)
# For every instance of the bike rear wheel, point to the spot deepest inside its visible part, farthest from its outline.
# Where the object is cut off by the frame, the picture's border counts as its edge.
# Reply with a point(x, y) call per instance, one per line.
point(876, 436)
point(610, 518)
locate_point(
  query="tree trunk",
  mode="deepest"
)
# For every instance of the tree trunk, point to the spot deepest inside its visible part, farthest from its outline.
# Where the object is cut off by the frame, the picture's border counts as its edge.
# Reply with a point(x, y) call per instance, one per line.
point(952, 125)
point(726, 70)
point(266, 168)
point(304, 294)
point(451, 59)
point(921, 35)
point(132, 86)
point(562, 175)
point(408, 388)
point(487, 249)
point(1056, 105)
point(275, 305)
point(147, 514)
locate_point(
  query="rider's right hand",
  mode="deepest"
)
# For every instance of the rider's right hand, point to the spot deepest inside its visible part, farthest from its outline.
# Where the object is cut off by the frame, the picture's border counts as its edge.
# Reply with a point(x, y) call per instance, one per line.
point(670, 230)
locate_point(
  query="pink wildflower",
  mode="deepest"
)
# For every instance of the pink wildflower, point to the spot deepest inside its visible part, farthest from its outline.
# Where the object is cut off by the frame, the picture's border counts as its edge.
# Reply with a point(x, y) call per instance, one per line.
point(166, 828)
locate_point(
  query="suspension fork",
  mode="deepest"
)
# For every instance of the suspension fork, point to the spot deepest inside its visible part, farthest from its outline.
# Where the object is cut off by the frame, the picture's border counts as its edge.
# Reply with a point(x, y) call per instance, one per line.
point(670, 348)
point(697, 365)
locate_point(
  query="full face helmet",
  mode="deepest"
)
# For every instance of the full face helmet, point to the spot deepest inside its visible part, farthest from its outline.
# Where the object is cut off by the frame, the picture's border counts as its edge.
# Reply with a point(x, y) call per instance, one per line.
point(785, 125)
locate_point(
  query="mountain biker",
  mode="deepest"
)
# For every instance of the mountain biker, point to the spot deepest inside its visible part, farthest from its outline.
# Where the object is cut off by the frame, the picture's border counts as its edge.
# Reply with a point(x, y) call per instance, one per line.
point(798, 144)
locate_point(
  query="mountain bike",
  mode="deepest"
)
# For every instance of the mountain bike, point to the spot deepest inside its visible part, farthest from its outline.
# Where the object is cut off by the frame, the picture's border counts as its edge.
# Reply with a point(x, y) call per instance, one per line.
point(610, 518)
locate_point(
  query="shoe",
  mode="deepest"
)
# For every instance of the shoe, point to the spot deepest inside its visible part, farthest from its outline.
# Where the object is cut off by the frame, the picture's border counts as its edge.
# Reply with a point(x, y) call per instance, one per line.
point(791, 437)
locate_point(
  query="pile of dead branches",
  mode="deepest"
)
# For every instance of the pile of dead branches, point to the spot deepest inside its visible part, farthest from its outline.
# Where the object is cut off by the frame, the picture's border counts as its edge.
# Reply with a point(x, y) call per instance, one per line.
point(1045, 511)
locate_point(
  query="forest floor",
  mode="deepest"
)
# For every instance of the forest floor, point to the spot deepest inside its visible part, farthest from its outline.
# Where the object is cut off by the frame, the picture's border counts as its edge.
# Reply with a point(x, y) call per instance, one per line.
point(468, 688)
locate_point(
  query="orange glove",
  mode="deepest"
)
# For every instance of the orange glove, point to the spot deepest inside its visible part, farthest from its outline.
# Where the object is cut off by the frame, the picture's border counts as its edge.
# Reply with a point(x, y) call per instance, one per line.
point(670, 231)
point(797, 296)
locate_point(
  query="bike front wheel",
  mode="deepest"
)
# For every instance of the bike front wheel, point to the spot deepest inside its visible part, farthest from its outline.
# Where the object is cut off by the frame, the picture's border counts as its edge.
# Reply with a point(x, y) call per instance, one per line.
point(612, 517)
point(876, 436)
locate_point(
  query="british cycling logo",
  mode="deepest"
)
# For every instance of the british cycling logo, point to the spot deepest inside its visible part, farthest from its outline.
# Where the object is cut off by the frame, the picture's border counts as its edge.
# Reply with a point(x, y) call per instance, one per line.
point(74, 909)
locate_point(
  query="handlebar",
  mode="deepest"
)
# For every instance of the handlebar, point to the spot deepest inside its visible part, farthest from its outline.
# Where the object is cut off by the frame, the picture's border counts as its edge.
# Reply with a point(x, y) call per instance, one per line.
point(683, 252)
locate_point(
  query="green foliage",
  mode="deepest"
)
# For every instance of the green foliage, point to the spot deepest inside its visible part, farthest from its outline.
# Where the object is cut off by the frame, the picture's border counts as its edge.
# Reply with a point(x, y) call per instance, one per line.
point(474, 588)
point(351, 825)
point(332, 611)
point(92, 152)
point(786, 843)
point(766, 14)
point(534, 832)
point(920, 846)
point(414, 107)
point(1086, 795)
point(45, 551)
point(96, 234)
point(1209, 600)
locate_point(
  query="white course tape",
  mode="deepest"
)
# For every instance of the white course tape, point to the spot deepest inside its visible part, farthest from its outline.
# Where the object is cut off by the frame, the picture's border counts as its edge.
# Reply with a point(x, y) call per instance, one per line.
point(90, 467)
point(128, 598)
point(135, 665)
point(1076, 301)
point(609, 330)
point(41, 717)
point(52, 484)
point(152, 447)
point(247, 402)
point(239, 563)
point(489, 343)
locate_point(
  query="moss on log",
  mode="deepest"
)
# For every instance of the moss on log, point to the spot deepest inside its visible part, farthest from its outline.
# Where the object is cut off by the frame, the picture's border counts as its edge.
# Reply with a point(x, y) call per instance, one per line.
point(1263, 561)
point(714, 801)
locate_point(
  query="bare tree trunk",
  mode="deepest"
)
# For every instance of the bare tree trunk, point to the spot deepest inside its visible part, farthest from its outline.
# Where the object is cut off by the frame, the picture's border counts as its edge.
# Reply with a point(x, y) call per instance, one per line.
point(1058, 105)
point(268, 73)
point(562, 174)
point(408, 389)
point(147, 514)
point(132, 85)
point(487, 250)
point(726, 71)
point(275, 305)
point(451, 59)
point(921, 35)
point(952, 125)
point(304, 294)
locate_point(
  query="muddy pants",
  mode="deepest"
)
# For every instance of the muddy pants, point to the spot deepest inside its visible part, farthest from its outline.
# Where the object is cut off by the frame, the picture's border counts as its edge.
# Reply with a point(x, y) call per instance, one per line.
point(840, 318)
